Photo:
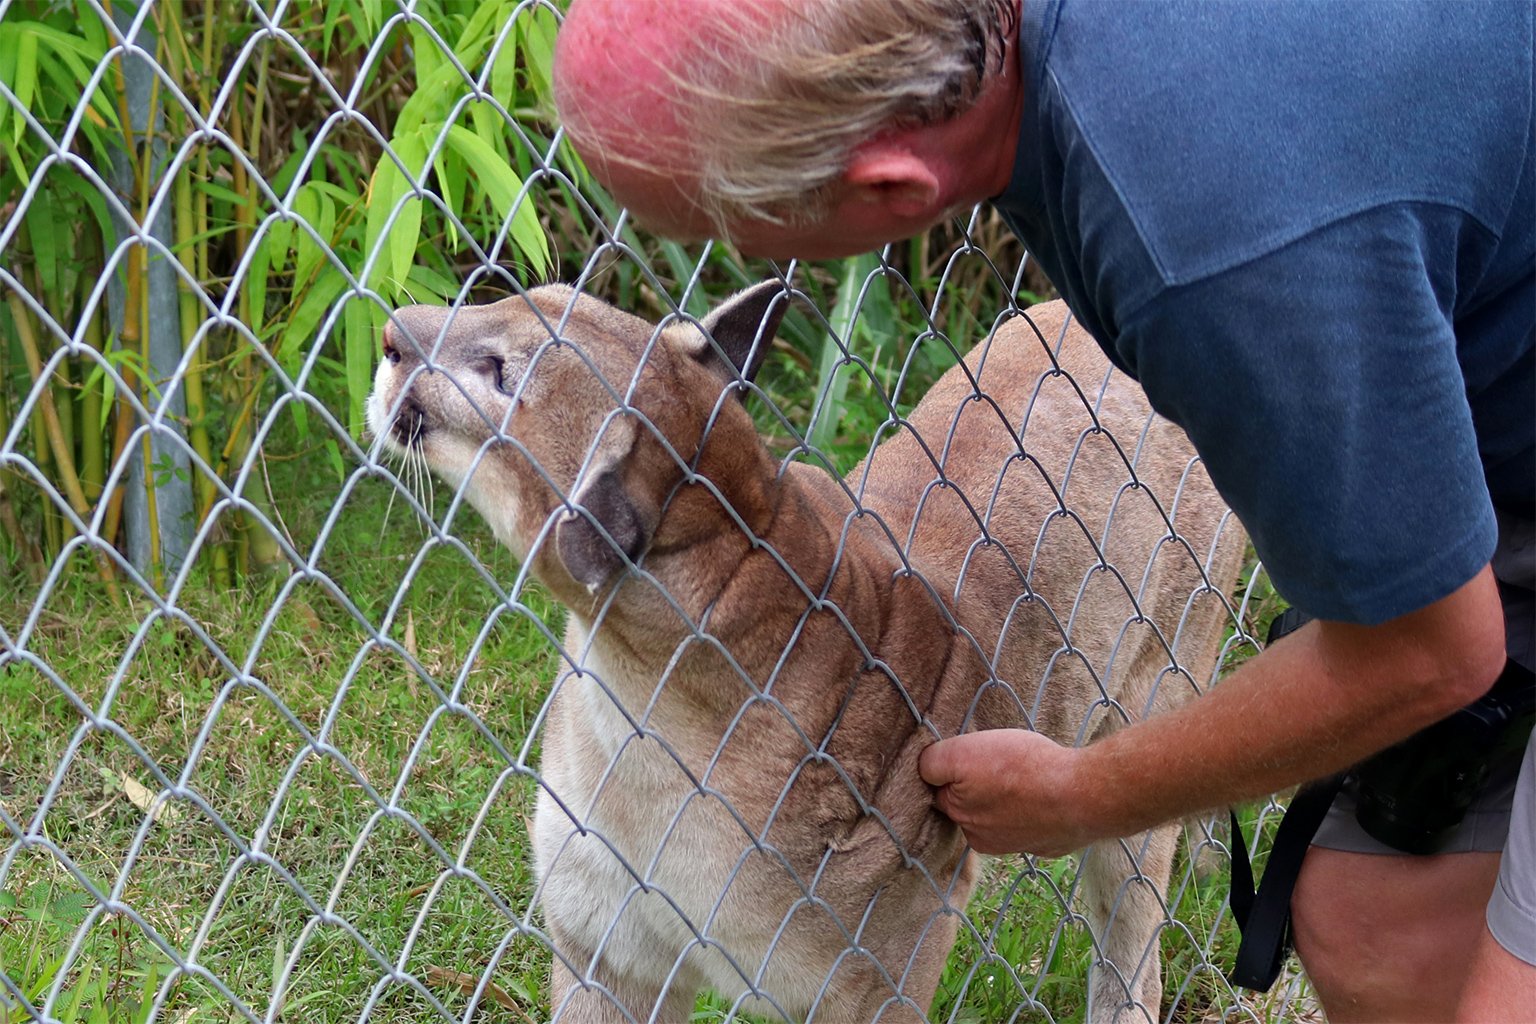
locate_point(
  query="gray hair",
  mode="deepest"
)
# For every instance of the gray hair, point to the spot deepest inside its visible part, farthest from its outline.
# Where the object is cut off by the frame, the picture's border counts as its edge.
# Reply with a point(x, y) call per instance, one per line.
point(775, 110)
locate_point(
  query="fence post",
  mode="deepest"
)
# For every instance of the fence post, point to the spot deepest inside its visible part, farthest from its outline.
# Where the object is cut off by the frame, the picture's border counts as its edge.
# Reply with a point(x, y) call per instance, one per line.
point(157, 506)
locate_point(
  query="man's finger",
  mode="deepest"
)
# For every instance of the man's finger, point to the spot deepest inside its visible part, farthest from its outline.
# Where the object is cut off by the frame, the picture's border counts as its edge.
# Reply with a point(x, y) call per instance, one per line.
point(942, 801)
point(939, 763)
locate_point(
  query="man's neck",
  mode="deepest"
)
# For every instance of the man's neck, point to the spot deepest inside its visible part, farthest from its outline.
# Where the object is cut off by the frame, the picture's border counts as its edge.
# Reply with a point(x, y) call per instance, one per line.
point(975, 151)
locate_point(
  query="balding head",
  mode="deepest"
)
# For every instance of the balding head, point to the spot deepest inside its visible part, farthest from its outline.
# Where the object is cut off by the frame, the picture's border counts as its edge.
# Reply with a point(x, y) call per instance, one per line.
point(627, 86)
point(706, 115)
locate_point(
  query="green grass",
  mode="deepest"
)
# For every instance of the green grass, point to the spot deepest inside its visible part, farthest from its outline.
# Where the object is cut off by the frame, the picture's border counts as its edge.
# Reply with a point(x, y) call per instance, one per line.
point(359, 699)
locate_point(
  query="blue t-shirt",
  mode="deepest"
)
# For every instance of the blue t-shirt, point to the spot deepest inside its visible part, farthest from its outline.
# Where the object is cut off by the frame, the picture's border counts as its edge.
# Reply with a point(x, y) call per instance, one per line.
point(1309, 230)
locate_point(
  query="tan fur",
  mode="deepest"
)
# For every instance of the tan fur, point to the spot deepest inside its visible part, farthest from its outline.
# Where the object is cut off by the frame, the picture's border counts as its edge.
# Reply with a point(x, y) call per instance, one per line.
point(729, 789)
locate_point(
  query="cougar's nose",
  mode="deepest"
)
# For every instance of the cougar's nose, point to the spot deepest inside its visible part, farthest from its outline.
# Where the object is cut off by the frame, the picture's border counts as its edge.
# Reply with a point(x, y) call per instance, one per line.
point(410, 422)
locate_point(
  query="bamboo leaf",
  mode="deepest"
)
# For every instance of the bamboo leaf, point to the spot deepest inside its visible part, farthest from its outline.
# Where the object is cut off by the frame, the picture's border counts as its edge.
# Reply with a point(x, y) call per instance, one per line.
point(256, 276)
point(478, 32)
point(682, 268)
point(306, 251)
point(439, 83)
point(90, 28)
point(281, 235)
point(437, 287)
point(336, 193)
point(538, 28)
point(360, 341)
point(385, 190)
point(300, 329)
point(405, 235)
point(90, 196)
point(316, 209)
point(221, 192)
point(25, 79)
point(428, 56)
point(74, 48)
point(283, 179)
point(108, 394)
point(491, 128)
point(373, 17)
point(159, 809)
point(16, 161)
point(43, 218)
point(333, 455)
point(8, 48)
point(118, 359)
point(832, 370)
point(333, 15)
point(300, 421)
point(503, 186)
point(503, 79)
point(450, 188)
point(77, 57)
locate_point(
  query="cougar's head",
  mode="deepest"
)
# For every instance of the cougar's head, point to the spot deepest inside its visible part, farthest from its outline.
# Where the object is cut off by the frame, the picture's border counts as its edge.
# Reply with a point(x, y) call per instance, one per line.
point(572, 426)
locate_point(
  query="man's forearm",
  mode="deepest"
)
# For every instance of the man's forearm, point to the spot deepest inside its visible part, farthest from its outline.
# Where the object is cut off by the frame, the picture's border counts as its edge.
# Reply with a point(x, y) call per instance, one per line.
point(1315, 703)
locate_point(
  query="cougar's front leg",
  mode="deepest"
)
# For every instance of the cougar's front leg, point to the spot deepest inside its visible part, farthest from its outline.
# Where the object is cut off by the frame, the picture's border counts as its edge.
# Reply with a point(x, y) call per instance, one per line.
point(1124, 884)
point(600, 997)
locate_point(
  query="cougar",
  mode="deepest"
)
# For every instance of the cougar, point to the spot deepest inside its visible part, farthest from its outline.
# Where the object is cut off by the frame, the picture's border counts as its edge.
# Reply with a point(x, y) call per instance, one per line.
point(728, 795)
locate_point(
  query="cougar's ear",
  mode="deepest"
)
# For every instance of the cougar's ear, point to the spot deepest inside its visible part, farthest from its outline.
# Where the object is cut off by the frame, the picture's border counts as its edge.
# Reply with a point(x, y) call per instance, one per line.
point(602, 506)
point(743, 327)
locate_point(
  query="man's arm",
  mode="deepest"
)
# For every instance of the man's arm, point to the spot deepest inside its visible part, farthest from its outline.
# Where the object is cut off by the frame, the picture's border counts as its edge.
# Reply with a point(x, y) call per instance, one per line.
point(1324, 698)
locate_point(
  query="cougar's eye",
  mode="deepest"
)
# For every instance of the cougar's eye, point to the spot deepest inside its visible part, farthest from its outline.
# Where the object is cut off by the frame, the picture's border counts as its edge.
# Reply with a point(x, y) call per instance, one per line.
point(496, 369)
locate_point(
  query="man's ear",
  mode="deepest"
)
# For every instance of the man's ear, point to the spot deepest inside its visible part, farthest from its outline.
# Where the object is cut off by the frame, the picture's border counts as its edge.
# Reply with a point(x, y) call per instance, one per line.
point(602, 506)
point(894, 178)
point(743, 327)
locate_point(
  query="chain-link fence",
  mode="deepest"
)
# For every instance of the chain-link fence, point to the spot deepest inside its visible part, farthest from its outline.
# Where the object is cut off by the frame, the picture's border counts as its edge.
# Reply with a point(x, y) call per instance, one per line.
point(285, 727)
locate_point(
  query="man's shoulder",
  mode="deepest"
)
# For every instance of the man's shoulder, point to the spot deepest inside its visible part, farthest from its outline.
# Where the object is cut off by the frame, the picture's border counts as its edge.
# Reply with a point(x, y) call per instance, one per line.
point(1229, 130)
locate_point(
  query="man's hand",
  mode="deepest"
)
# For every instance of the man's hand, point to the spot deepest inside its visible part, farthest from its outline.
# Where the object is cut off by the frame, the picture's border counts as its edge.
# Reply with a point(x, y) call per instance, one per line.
point(1012, 791)
point(1316, 702)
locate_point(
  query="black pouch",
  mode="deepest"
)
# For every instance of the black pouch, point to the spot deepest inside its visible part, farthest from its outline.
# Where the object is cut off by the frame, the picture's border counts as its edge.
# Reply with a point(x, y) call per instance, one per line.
point(1412, 795)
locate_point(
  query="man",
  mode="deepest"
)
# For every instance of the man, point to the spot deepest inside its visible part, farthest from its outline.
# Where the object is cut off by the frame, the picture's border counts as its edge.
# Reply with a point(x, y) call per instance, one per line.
point(1337, 203)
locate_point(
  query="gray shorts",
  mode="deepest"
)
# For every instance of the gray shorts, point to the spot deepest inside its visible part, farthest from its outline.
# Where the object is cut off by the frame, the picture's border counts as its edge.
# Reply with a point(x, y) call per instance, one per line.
point(1503, 817)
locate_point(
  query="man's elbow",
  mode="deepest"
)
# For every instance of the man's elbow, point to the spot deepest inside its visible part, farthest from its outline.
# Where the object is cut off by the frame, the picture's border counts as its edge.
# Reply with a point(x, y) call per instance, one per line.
point(1428, 663)
point(1461, 642)
point(1471, 675)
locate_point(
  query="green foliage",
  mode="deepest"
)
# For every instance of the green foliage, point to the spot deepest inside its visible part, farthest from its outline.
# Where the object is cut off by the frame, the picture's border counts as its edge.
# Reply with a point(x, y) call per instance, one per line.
point(307, 226)
point(48, 56)
point(111, 985)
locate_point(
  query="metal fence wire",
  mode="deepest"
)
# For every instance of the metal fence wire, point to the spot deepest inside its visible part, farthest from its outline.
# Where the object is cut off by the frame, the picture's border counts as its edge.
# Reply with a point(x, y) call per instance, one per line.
point(279, 713)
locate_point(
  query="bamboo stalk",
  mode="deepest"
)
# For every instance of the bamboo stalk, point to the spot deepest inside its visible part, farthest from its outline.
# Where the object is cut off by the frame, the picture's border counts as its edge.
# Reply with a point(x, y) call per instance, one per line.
point(62, 458)
point(186, 229)
point(236, 446)
point(53, 535)
point(93, 463)
point(222, 576)
point(31, 555)
point(256, 546)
